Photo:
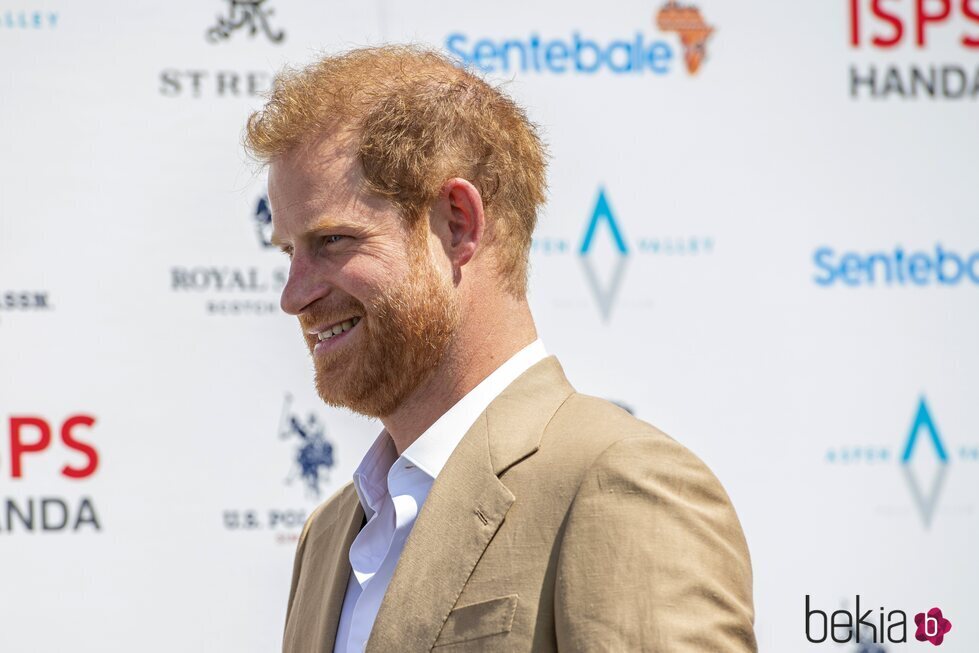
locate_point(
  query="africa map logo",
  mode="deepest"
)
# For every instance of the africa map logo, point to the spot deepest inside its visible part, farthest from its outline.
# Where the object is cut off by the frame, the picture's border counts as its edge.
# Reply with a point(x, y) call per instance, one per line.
point(688, 23)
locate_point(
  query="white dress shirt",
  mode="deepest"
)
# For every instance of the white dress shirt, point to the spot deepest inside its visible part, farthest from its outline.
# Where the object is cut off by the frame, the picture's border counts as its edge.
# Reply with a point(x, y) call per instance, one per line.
point(392, 490)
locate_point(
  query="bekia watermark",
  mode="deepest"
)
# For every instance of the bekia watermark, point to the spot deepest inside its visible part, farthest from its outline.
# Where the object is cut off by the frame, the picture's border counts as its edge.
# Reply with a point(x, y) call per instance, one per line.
point(884, 627)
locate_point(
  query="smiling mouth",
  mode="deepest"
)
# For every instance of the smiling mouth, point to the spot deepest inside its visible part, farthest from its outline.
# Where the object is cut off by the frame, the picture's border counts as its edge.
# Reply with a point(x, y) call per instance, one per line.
point(337, 329)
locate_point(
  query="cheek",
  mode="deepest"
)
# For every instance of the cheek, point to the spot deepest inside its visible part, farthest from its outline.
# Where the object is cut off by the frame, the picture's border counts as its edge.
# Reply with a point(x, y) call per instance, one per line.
point(389, 258)
point(366, 278)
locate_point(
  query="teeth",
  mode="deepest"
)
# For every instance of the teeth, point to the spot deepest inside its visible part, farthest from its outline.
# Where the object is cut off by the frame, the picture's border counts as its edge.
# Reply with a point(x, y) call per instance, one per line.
point(338, 329)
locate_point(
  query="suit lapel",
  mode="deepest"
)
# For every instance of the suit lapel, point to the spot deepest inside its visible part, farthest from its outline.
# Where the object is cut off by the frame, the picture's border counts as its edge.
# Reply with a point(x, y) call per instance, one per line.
point(312, 623)
point(464, 510)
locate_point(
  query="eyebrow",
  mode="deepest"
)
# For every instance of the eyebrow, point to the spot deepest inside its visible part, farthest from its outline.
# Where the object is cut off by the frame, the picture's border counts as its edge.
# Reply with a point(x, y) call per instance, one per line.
point(325, 224)
point(277, 243)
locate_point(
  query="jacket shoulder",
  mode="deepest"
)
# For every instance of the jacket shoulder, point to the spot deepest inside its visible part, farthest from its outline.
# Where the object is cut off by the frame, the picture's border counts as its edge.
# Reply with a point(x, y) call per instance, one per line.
point(592, 433)
point(585, 426)
point(652, 521)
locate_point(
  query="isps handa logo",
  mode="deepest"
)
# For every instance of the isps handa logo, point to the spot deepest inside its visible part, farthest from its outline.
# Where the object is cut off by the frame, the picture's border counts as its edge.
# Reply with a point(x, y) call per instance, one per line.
point(604, 251)
point(581, 54)
point(45, 470)
point(924, 461)
point(880, 626)
point(308, 456)
point(896, 46)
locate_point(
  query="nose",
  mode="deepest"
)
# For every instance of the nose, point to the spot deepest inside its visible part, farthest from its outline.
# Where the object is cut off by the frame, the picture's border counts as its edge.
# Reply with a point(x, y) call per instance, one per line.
point(302, 287)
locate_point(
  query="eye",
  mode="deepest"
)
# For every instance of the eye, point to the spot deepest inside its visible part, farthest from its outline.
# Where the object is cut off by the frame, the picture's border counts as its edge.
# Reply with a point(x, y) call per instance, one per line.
point(287, 251)
point(329, 241)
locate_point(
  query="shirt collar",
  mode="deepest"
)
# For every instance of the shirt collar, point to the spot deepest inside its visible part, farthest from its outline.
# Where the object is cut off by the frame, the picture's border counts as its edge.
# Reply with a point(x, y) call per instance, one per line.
point(432, 449)
point(370, 477)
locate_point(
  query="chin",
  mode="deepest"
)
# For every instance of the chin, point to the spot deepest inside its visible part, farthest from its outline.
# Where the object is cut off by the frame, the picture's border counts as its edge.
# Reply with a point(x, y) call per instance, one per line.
point(371, 398)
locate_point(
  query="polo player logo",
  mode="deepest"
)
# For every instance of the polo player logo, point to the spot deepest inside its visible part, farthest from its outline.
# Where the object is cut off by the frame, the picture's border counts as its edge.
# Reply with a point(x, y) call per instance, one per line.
point(313, 456)
point(244, 13)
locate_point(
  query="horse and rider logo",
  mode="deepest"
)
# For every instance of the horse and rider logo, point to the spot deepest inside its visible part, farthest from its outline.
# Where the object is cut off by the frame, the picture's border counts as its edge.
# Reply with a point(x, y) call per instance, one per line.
point(313, 455)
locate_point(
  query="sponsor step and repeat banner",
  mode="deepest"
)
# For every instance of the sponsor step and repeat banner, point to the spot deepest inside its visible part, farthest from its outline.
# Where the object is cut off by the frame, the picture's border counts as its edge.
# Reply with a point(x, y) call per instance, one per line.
point(762, 236)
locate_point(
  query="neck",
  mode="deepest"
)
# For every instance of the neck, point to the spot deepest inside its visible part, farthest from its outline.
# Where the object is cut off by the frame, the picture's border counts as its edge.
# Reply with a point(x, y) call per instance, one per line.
point(489, 339)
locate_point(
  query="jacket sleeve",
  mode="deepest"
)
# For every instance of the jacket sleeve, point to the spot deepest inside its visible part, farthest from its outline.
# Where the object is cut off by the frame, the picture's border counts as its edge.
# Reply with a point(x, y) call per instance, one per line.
point(653, 557)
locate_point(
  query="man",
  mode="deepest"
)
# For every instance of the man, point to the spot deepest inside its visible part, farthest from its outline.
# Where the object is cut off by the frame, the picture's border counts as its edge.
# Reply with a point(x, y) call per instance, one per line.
point(498, 510)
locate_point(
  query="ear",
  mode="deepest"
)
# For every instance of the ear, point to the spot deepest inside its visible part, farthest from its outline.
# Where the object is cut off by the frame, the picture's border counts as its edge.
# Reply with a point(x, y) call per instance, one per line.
point(460, 221)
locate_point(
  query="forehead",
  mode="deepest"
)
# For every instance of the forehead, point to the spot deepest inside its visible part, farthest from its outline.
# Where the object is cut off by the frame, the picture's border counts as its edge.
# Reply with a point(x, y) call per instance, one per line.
point(322, 182)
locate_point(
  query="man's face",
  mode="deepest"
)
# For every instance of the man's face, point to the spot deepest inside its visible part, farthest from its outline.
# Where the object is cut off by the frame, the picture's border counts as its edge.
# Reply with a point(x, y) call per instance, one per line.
point(376, 312)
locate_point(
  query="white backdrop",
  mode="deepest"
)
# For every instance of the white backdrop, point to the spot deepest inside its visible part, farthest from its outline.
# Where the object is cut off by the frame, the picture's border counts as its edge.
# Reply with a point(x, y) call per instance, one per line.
point(741, 290)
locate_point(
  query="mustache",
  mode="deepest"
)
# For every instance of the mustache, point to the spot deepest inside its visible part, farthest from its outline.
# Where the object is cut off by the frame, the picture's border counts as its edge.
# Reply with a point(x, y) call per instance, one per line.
point(323, 315)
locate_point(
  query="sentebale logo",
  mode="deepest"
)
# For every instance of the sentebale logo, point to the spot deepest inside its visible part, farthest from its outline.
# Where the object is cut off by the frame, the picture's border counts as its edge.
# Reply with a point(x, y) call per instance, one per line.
point(582, 54)
point(940, 266)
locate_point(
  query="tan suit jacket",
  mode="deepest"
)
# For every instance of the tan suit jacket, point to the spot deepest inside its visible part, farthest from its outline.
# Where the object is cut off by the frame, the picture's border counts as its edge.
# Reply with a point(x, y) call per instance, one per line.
point(559, 523)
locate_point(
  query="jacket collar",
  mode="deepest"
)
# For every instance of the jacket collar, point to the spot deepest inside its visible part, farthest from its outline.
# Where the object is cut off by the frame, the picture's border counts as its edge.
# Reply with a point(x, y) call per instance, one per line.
point(464, 510)
point(432, 449)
